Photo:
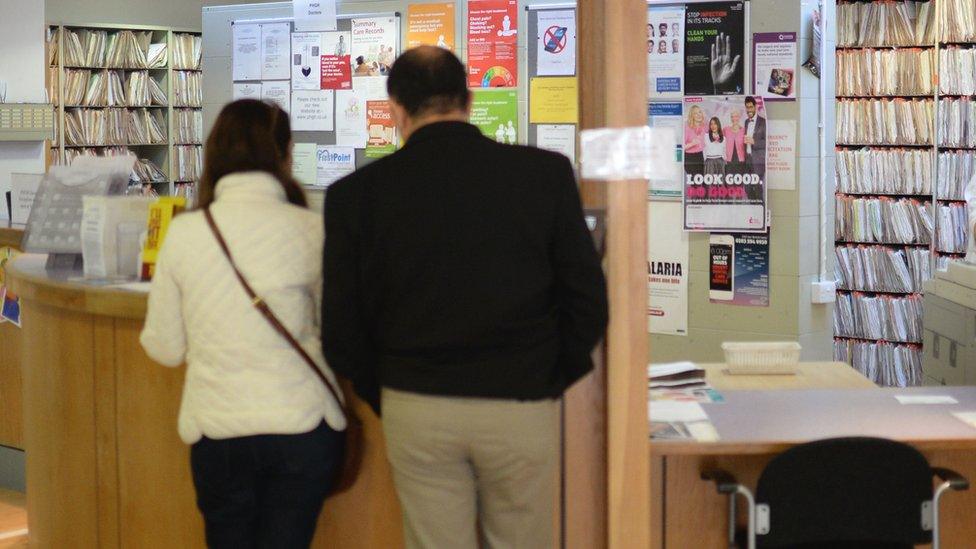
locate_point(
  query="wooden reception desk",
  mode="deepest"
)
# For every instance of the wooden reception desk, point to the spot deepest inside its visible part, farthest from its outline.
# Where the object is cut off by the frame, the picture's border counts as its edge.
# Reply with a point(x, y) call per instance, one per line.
point(105, 466)
point(764, 415)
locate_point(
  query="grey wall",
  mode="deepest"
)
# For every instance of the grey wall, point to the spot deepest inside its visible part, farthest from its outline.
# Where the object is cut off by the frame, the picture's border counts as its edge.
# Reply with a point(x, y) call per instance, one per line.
point(794, 234)
point(169, 13)
point(12, 469)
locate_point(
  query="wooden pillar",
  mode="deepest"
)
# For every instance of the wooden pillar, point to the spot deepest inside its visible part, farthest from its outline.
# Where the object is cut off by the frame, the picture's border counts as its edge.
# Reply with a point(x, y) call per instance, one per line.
point(613, 92)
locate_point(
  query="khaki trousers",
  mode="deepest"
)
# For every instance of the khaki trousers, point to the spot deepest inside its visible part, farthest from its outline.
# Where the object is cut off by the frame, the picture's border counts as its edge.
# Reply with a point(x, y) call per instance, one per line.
point(463, 462)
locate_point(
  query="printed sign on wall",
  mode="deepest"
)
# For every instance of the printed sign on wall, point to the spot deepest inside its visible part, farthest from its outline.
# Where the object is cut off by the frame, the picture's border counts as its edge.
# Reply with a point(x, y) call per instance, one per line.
point(492, 43)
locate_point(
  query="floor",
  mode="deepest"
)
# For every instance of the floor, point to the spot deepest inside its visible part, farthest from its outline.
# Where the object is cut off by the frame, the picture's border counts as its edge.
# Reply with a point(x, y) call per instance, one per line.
point(13, 520)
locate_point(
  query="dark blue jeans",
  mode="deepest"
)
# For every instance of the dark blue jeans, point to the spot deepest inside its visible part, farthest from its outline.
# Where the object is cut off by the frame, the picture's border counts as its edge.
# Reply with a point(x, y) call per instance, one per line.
point(265, 491)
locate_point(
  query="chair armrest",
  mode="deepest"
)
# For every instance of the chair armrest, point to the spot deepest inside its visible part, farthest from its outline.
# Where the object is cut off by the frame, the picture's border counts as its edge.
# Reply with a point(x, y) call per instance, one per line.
point(725, 483)
point(956, 481)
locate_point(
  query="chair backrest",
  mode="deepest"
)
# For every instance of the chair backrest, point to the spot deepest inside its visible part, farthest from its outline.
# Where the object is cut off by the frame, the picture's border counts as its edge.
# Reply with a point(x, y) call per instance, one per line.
point(853, 490)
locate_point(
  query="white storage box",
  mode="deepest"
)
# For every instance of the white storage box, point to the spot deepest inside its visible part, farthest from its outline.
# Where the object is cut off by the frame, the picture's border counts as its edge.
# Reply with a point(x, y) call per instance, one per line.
point(761, 357)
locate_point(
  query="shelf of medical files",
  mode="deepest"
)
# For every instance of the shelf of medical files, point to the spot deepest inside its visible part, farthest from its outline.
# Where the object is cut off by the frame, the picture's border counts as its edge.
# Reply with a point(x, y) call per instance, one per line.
point(164, 77)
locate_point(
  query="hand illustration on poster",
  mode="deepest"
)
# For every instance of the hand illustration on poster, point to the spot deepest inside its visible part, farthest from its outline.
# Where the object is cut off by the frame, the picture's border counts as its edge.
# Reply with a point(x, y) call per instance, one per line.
point(725, 164)
point(495, 113)
point(739, 269)
point(714, 42)
point(492, 43)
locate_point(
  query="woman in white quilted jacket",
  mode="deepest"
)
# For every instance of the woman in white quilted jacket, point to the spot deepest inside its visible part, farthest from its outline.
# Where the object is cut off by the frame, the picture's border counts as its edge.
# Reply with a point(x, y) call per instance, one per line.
point(266, 433)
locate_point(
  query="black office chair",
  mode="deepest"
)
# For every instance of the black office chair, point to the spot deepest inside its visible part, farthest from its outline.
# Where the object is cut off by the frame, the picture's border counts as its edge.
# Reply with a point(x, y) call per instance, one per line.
point(842, 493)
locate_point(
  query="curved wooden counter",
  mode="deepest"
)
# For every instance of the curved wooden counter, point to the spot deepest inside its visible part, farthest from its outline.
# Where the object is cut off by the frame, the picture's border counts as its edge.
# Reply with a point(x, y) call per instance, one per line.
point(105, 466)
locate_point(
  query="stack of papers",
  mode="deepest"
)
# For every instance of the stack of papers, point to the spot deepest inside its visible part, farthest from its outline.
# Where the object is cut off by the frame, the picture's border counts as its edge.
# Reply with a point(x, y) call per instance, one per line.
point(187, 162)
point(884, 171)
point(189, 126)
point(129, 49)
point(887, 317)
point(953, 230)
point(895, 23)
point(674, 420)
point(75, 86)
point(881, 268)
point(882, 220)
point(956, 168)
point(187, 51)
point(886, 364)
point(675, 374)
point(958, 71)
point(885, 72)
point(958, 21)
point(885, 121)
point(142, 90)
point(146, 126)
point(957, 122)
point(188, 89)
point(156, 56)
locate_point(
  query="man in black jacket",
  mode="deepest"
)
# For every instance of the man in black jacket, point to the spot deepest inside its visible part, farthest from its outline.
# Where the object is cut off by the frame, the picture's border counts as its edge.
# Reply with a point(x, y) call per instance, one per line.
point(462, 288)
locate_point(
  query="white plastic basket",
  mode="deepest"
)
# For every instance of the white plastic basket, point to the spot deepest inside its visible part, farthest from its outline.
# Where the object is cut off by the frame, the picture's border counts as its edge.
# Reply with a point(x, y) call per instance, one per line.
point(761, 357)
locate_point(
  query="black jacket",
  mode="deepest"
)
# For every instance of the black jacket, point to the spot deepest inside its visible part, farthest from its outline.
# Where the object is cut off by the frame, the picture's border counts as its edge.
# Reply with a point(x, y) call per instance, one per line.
point(460, 267)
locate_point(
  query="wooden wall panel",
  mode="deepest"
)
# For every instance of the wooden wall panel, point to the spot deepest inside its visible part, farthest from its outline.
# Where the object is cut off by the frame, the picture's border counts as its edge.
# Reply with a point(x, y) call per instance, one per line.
point(60, 427)
point(157, 503)
point(368, 515)
point(11, 388)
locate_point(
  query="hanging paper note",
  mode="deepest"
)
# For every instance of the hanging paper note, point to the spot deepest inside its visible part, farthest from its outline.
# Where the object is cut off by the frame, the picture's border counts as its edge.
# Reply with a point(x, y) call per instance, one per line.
point(380, 128)
point(306, 50)
point(278, 92)
point(553, 101)
point(334, 163)
point(247, 90)
point(314, 15)
point(311, 110)
point(556, 43)
point(774, 65)
point(560, 138)
point(275, 47)
point(495, 113)
point(336, 72)
point(431, 25)
point(492, 43)
point(246, 51)
point(374, 43)
point(351, 119)
point(303, 163)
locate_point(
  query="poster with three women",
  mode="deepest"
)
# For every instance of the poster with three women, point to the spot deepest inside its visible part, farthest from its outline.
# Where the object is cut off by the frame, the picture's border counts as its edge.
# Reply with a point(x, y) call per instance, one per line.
point(725, 164)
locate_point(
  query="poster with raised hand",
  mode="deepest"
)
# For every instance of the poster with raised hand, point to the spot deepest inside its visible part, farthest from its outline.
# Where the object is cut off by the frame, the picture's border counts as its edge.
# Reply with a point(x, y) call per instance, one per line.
point(714, 48)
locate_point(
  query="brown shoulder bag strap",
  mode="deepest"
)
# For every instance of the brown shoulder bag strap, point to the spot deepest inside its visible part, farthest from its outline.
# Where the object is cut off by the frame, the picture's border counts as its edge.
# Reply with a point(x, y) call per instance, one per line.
point(266, 311)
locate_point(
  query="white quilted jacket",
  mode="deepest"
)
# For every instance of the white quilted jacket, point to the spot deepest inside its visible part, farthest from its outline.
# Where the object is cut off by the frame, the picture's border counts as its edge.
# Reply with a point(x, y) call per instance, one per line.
point(242, 377)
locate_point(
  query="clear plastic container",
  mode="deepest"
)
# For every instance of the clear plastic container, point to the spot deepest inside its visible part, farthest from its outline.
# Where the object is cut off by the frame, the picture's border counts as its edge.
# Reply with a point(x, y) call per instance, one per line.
point(761, 357)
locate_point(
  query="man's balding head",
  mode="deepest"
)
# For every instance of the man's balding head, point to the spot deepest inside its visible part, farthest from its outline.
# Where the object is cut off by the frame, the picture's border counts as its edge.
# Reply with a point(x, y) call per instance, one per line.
point(429, 81)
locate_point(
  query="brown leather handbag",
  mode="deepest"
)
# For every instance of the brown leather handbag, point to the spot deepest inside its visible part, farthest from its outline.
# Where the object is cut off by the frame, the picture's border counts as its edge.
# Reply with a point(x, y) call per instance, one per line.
point(352, 458)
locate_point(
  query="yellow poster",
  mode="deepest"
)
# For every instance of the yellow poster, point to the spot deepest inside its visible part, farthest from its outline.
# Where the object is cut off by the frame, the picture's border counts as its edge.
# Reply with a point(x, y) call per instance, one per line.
point(554, 101)
point(431, 25)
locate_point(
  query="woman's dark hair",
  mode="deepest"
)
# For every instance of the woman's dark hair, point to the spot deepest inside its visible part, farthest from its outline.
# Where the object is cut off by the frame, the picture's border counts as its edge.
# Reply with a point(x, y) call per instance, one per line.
point(721, 136)
point(429, 80)
point(249, 135)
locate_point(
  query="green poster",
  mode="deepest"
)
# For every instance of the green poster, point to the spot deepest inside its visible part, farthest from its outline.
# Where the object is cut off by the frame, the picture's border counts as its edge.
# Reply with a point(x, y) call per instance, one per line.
point(496, 114)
